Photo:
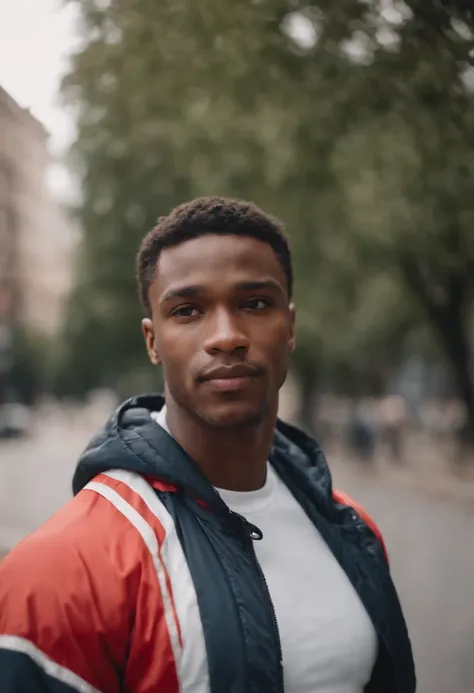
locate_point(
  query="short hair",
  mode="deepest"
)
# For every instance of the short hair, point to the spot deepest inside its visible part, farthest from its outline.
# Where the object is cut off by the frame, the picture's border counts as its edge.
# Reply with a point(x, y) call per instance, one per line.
point(207, 215)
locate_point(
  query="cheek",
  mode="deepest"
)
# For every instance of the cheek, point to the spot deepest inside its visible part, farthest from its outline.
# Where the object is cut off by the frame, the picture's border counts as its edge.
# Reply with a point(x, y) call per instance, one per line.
point(173, 360)
point(273, 343)
point(177, 356)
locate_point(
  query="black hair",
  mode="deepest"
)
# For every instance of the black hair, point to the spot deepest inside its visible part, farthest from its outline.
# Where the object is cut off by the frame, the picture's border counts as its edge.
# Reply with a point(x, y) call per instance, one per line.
point(206, 215)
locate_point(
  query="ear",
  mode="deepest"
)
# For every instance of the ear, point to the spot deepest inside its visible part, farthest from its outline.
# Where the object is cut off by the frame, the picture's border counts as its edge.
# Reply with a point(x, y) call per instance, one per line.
point(292, 339)
point(149, 334)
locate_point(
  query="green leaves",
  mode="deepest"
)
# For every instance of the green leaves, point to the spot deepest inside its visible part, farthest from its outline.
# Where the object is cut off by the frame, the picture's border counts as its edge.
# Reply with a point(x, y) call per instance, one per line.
point(351, 121)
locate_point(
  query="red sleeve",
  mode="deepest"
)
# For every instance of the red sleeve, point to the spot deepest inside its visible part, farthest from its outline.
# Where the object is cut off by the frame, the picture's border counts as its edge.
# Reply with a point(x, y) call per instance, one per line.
point(65, 609)
point(345, 499)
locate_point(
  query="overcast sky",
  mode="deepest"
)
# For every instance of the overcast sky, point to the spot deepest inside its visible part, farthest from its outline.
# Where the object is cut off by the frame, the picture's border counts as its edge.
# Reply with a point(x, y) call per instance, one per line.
point(36, 37)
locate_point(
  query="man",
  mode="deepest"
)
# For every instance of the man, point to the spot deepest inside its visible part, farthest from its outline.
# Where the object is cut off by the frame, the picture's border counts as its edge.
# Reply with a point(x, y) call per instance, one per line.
point(205, 549)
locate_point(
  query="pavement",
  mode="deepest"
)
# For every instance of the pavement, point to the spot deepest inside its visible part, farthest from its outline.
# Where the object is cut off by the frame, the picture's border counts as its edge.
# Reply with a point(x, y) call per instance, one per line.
point(430, 542)
point(430, 538)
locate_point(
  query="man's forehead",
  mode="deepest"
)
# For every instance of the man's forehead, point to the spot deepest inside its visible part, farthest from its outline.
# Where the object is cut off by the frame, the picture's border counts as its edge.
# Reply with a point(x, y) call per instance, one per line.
point(217, 263)
point(213, 252)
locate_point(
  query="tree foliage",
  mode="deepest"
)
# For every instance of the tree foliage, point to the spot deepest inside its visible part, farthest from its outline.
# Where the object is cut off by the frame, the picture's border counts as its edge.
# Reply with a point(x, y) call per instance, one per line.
point(352, 121)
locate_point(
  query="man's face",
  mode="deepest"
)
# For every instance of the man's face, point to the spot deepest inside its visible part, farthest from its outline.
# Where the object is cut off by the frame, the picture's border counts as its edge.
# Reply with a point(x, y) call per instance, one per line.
point(222, 327)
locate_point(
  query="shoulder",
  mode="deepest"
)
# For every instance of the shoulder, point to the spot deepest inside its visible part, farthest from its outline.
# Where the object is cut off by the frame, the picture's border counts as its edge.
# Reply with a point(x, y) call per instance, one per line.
point(69, 592)
point(85, 549)
point(345, 499)
point(63, 605)
point(103, 529)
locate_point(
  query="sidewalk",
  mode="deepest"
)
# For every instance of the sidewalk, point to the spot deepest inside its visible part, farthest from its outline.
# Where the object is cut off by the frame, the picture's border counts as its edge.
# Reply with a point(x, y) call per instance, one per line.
point(427, 469)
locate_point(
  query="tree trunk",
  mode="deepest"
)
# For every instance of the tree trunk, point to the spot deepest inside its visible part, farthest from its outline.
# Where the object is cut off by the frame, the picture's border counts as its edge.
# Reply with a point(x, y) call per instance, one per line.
point(454, 335)
point(306, 405)
point(449, 319)
point(306, 372)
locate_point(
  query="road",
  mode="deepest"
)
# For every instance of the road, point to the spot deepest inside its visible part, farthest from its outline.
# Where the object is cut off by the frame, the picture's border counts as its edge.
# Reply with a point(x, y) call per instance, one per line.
point(431, 544)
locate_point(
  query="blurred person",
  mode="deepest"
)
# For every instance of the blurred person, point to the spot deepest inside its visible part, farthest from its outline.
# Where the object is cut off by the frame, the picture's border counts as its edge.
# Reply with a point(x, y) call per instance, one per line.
point(205, 548)
point(361, 432)
point(393, 418)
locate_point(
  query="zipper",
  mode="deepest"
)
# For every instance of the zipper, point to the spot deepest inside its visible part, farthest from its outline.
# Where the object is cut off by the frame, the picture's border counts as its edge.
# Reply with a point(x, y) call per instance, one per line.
point(361, 530)
point(253, 533)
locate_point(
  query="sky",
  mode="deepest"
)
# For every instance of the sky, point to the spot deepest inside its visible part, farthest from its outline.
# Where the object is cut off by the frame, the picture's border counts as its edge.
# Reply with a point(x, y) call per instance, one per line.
point(36, 37)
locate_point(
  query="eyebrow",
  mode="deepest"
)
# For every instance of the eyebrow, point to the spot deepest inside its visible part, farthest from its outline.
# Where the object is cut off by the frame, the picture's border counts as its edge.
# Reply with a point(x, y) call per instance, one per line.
point(195, 289)
point(182, 292)
point(261, 284)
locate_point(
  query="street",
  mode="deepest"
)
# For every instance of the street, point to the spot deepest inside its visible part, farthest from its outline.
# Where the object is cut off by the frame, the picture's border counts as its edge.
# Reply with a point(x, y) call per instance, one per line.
point(430, 543)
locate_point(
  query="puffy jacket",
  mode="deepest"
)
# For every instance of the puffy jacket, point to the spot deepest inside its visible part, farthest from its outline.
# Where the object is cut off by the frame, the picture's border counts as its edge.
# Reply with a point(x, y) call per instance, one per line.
point(146, 581)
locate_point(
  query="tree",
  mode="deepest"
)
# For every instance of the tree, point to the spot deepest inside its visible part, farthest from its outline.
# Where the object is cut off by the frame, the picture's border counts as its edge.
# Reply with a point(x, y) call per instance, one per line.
point(27, 375)
point(350, 121)
point(416, 177)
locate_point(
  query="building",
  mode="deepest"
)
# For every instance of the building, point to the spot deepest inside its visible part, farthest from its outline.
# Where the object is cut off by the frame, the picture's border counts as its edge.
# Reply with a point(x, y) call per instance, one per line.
point(36, 241)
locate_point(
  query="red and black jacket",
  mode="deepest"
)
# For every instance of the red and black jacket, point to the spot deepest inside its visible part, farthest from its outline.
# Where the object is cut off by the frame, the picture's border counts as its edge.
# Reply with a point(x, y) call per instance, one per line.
point(146, 581)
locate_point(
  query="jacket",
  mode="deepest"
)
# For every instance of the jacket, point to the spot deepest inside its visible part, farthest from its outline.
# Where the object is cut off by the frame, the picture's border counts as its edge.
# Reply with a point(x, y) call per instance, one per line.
point(146, 581)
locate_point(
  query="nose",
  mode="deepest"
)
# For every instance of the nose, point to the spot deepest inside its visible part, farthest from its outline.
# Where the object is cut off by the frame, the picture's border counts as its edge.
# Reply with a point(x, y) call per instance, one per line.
point(225, 335)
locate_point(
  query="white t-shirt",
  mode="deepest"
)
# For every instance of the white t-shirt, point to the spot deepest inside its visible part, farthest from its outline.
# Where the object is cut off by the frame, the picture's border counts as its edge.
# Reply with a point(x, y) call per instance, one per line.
point(329, 644)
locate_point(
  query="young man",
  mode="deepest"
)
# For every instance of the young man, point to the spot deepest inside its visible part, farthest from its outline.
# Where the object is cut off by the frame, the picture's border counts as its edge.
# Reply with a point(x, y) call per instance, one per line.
point(205, 550)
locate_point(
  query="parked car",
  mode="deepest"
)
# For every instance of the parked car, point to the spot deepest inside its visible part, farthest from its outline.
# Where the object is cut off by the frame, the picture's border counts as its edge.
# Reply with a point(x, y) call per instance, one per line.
point(15, 420)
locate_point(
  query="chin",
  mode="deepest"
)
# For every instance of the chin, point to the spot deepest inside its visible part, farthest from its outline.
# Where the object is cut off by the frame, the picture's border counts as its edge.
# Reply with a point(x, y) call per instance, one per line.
point(233, 415)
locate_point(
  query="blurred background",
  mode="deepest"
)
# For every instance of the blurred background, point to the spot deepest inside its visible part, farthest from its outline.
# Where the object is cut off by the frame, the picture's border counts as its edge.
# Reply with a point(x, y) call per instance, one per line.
point(352, 121)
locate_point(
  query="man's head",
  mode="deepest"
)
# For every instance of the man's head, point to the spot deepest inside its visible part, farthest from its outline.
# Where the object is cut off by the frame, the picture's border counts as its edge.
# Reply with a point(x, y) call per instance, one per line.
point(215, 278)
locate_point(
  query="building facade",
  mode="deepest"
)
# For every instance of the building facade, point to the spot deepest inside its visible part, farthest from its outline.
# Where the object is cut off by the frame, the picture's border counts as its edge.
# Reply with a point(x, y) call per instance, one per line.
point(35, 234)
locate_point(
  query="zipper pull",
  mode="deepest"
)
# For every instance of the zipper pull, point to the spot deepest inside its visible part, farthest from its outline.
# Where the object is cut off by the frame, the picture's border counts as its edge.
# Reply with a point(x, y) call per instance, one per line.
point(239, 525)
point(252, 531)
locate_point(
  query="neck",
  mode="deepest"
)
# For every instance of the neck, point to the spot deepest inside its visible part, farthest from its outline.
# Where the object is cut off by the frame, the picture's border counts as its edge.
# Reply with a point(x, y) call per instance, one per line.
point(234, 459)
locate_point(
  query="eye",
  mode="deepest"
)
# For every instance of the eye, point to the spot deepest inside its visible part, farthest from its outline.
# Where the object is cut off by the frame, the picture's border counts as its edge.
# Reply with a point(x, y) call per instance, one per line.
point(258, 303)
point(185, 312)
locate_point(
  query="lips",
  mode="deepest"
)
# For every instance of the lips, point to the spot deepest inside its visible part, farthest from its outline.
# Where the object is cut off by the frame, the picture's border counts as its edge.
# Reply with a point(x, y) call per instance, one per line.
point(231, 378)
point(240, 370)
